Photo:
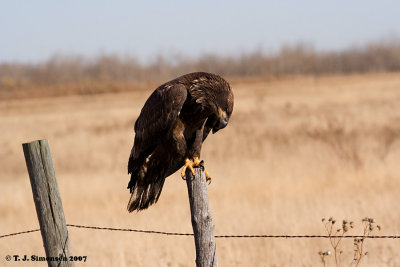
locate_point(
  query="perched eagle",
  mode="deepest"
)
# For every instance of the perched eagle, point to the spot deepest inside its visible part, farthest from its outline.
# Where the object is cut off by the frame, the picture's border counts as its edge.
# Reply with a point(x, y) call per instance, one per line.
point(170, 130)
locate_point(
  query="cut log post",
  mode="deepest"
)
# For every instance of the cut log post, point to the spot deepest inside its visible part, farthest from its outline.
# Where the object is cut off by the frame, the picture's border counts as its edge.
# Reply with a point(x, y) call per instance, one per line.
point(48, 203)
point(203, 226)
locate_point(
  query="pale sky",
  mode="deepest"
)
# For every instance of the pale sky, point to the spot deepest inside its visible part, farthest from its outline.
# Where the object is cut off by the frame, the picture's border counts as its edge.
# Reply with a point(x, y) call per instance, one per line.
point(32, 31)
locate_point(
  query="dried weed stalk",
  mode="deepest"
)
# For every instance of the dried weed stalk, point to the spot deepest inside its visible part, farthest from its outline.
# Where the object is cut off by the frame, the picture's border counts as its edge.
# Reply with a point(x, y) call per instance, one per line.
point(336, 235)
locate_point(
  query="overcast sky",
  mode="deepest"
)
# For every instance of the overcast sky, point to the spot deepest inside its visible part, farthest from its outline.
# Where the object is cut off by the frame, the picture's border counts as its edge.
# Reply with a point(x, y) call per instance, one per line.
point(32, 31)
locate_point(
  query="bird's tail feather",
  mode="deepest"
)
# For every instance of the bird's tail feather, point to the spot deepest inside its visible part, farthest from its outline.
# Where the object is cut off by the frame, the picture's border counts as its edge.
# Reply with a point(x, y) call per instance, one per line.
point(142, 196)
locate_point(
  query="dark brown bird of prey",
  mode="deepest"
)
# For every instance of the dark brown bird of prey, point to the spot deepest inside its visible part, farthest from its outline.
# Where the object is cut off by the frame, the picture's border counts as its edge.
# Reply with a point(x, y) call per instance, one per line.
point(170, 130)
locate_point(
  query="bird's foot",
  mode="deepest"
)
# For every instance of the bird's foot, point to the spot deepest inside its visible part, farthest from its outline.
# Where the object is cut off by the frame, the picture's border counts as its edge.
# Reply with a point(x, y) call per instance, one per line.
point(208, 177)
point(189, 165)
point(195, 163)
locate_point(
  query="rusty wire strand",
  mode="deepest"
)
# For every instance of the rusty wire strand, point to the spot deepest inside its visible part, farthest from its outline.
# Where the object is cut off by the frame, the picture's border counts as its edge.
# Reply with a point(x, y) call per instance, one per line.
point(217, 236)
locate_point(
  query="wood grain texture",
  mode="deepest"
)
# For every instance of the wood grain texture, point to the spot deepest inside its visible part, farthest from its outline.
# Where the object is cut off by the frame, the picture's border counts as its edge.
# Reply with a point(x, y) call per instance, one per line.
point(202, 222)
point(48, 202)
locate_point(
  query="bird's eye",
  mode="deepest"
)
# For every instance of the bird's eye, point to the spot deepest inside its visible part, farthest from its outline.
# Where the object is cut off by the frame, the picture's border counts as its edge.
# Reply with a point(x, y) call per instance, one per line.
point(226, 109)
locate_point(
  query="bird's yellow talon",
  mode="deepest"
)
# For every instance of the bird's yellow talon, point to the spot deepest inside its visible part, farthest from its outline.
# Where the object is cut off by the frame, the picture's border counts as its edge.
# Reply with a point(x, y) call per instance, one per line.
point(188, 164)
point(208, 177)
point(195, 163)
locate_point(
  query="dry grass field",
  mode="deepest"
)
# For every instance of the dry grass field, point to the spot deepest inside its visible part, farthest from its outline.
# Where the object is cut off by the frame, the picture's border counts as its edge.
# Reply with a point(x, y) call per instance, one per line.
point(296, 150)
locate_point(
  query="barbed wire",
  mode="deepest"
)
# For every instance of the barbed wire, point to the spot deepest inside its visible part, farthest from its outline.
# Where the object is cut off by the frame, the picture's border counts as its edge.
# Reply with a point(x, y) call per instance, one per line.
point(217, 236)
point(20, 233)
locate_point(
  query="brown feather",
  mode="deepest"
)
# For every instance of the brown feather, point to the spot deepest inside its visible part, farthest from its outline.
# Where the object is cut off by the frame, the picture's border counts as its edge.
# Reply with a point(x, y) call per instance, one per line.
point(173, 123)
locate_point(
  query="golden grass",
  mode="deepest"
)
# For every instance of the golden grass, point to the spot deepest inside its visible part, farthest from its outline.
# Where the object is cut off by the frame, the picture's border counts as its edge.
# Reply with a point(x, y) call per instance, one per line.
point(296, 150)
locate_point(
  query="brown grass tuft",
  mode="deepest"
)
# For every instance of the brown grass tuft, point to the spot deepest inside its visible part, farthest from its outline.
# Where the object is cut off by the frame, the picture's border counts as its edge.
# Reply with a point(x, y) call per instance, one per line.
point(296, 150)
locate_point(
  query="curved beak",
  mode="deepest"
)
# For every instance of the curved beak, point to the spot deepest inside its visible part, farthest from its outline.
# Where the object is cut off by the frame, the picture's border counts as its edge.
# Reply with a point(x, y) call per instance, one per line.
point(222, 121)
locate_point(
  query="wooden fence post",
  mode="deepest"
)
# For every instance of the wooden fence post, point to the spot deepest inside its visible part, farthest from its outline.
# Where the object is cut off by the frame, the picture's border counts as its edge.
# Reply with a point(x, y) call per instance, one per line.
point(203, 226)
point(48, 203)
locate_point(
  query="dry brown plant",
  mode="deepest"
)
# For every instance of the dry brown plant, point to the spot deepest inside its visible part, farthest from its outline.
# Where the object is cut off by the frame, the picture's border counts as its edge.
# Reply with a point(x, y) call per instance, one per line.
point(296, 149)
point(336, 236)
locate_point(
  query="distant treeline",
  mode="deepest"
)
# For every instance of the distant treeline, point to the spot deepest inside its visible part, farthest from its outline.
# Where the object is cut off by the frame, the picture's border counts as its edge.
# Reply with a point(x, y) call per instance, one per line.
point(115, 73)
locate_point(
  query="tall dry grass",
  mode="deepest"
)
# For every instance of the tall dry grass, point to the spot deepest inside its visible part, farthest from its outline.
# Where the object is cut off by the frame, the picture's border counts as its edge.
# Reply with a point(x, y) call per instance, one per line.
point(296, 150)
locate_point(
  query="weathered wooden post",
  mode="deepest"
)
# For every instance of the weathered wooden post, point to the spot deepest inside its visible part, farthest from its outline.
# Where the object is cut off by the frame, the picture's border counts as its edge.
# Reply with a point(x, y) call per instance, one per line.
point(48, 203)
point(203, 226)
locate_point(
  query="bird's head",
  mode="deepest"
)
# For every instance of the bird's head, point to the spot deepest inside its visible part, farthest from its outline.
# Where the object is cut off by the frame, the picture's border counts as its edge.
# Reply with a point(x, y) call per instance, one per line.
point(215, 96)
point(223, 109)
